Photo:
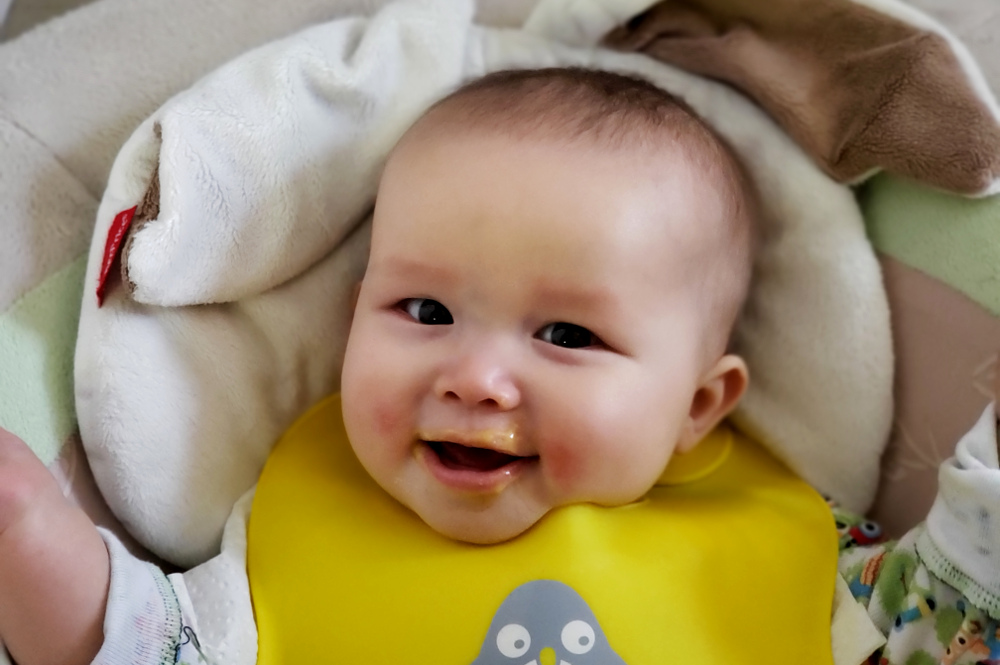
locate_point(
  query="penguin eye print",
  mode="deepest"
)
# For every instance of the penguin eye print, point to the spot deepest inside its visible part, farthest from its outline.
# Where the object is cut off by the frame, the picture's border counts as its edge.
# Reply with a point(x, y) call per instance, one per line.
point(513, 640)
point(578, 637)
point(568, 335)
point(426, 311)
point(564, 630)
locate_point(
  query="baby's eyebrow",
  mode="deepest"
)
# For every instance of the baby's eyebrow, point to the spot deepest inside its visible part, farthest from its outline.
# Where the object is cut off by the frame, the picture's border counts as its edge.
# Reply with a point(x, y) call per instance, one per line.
point(598, 297)
point(408, 268)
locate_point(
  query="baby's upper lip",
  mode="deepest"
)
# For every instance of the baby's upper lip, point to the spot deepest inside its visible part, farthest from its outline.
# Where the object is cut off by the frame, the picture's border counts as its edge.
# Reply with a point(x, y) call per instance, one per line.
point(500, 439)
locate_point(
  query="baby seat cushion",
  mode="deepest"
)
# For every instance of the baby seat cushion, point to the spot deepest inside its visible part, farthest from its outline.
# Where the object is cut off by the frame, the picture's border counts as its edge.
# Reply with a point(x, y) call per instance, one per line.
point(248, 197)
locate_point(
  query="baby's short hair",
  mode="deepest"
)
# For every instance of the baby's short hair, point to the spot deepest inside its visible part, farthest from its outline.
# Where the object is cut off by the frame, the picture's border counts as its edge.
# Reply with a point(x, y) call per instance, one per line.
point(622, 112)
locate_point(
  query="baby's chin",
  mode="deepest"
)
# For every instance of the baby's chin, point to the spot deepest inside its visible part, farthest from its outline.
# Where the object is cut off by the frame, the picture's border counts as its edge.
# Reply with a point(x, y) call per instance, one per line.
point(480, 527)
point(480, 534)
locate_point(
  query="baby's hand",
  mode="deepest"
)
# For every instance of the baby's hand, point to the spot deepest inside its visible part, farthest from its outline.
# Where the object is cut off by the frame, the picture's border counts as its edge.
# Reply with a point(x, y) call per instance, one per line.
point(54, 568)
point(25, 484)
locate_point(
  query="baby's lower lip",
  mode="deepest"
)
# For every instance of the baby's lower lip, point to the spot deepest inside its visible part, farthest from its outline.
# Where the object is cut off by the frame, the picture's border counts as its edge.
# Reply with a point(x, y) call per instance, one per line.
point(493, 478)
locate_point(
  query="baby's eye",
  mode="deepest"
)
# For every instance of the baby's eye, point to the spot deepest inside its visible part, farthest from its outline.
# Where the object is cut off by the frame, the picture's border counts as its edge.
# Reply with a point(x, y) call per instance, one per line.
point(568, 335)
point(426, 311)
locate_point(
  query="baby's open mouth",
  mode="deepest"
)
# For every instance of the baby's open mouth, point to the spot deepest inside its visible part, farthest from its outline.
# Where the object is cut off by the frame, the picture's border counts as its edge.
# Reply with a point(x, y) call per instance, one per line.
point(468, 458)
point(472, 468)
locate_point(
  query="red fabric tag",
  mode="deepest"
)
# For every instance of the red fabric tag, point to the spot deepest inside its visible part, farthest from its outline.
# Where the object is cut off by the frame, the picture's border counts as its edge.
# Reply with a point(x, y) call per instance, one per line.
point(119, 227)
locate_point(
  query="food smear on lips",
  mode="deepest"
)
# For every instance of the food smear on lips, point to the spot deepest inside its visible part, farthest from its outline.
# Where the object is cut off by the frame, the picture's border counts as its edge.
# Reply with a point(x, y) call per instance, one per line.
point(485, 461)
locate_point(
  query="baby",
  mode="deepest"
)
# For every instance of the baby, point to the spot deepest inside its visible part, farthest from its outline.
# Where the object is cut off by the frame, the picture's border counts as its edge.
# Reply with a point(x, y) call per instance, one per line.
point(558, 260)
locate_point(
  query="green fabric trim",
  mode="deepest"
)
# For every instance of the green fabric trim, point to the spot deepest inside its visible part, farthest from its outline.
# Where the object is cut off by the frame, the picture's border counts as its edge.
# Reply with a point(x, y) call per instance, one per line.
point(945, 570)
point(37, 343)
point(954, 239)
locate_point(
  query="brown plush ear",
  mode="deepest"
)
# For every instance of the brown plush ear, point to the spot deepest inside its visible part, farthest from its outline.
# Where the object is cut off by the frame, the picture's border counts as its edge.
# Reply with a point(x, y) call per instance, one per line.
point(858, 89)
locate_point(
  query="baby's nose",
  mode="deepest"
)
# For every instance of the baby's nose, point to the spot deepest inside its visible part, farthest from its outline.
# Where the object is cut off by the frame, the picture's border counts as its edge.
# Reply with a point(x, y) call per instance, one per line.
point(480, 378)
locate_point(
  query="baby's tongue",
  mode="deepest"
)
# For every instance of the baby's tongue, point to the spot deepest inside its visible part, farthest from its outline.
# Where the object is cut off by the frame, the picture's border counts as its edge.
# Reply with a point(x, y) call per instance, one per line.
point(457, 456)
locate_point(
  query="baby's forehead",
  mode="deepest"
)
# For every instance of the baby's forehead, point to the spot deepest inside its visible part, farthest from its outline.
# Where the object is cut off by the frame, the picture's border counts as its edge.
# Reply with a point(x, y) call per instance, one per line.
point(646, 147)
point(574, 198)
point(679, 176)
point(632, 141)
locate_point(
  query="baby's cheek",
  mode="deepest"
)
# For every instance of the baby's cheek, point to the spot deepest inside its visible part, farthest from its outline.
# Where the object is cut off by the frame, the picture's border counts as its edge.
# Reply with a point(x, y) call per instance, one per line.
point(563, 466)
point(387, 416)
point(369, 414)
point(368, 388)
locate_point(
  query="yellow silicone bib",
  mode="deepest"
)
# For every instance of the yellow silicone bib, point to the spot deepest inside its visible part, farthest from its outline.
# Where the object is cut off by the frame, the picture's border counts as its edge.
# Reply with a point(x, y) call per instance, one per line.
point(731, 559)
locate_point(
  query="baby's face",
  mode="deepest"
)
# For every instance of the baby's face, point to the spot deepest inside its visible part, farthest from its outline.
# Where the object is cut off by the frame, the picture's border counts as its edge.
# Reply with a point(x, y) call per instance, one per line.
point(528, 333)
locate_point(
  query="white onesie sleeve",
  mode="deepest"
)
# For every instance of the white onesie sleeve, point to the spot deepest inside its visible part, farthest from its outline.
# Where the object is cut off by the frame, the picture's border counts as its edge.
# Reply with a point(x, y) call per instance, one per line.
point(201, 616)
point(142, 624)
point(961, 545)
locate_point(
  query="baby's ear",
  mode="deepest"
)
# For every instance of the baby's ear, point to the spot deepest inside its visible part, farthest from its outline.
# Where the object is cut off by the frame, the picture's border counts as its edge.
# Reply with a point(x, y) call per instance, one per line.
point(720, 391)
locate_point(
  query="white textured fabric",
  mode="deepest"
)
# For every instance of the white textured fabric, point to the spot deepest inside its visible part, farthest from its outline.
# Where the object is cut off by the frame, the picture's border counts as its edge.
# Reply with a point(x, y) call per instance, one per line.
point(216, 595)
point(265, 169)
point(142, 625)
point(962, 544)
point(248, 205)
point(73, 89)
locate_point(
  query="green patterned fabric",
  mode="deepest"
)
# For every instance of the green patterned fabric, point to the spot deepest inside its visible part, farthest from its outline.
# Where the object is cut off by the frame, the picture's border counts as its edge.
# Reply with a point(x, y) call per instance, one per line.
point(926, 620)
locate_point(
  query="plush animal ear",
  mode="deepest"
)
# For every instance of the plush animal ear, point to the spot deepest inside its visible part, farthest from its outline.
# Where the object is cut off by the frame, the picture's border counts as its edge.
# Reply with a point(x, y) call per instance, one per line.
point(860, 89)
